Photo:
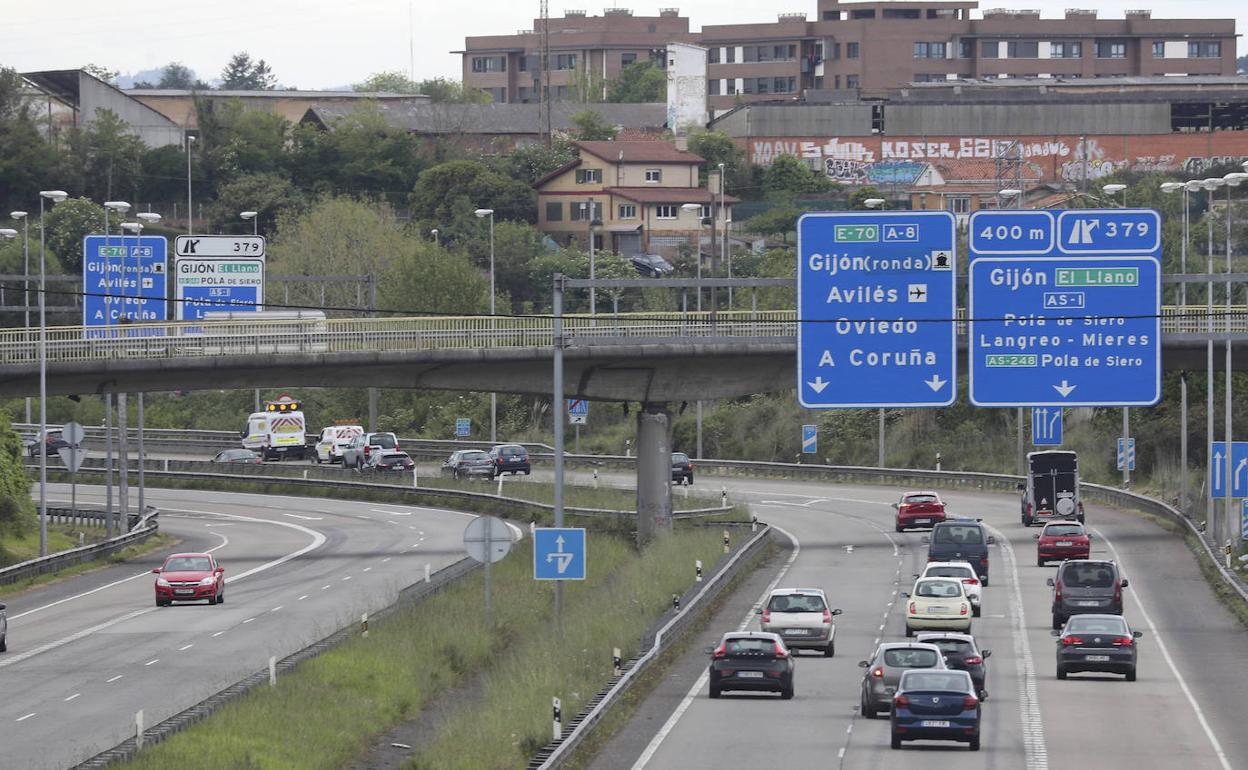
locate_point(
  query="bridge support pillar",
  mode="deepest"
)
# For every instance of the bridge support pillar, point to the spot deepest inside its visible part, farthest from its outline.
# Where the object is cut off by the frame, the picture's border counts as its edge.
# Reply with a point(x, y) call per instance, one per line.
point(654, 471)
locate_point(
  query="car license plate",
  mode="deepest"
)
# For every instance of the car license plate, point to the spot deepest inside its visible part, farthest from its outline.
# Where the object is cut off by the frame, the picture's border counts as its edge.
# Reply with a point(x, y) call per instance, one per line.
point(184, 591)
point(795, 632)
point(1064, 543)
point(934, 723)
point(935, 610)
point(922, 521)
point(750, 674)
point(1089, 604)
point(1097, 658)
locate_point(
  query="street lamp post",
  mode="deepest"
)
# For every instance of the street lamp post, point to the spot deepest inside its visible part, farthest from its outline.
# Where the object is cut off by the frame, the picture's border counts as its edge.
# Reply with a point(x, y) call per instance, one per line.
point(481, 213)
point(1169, 187)
point(190, 209)
point(1210, 185)
point(434, 233)
point(22, 215)
point(878, 203)
point(594, 220)
point(692, 207)
point(1231, 180)
point(150, 218)
point(1020, 459)
point(716, 214)
point(56, 196)
point(255, 220)
point(1111, 189)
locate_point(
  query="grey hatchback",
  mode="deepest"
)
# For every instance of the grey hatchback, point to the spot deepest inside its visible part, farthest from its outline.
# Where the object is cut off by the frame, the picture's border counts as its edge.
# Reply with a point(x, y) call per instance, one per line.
point(1084, 586)
point(883, 672)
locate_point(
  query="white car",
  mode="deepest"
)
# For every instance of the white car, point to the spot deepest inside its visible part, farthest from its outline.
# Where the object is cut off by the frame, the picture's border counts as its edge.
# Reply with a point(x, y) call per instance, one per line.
point(962, 571)
point(802, 618)
point(937, 604)
point(333, 440)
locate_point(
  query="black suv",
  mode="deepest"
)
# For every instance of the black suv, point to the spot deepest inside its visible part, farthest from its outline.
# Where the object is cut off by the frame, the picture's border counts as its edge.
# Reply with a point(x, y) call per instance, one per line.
point(1086, 586)
point(961, 540)
point(510, 458)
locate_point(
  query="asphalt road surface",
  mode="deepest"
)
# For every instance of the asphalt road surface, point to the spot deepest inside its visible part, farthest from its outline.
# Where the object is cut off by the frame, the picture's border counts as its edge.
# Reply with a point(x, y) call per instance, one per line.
point(1184, 710)
point(86, 653)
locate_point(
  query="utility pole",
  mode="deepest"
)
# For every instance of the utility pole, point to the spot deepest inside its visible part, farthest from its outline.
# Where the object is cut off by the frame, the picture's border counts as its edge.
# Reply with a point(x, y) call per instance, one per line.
point(543, 92)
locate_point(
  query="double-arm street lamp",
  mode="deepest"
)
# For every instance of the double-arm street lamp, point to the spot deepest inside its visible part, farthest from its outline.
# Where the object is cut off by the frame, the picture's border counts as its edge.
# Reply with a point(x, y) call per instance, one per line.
point(481, 214)
point(56, 196)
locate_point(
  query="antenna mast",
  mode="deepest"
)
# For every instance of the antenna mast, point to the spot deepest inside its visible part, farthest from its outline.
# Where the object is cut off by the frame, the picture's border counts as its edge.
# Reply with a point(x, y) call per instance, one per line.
point(544, 93)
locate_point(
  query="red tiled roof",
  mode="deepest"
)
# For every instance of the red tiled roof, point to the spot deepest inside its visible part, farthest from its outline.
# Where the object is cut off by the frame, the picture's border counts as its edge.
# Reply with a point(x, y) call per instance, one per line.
point(666, 194)
point(639, 152)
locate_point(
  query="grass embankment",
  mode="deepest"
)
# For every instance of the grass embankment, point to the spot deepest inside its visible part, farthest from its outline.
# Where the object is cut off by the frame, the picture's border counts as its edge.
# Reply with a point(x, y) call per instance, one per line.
point(331, 709)
point(67, 538)
point(24, 545)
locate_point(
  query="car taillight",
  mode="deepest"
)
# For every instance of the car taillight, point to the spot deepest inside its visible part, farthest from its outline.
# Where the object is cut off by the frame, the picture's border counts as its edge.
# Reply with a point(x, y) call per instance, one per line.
point(984, 561)
point(965, 608)
point(973, 660)
point(1124, 641)
point(720, 651)
point(877, 672)
point(903, 507)
point(367, 449)
point(1070, 641)
point(901, 700)
point(970, 581)
point(970, 702)
point(1057, 591)
point(499, 461)
point(1117, 591)
point(766, 616)
point(780, 651)
point(827, 616)
point(913, 610)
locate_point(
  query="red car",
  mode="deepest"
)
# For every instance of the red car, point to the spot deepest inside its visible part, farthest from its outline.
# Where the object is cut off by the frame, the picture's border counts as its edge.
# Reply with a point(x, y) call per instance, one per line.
point(919, 509)
point(189, 577)
point(1062, 540)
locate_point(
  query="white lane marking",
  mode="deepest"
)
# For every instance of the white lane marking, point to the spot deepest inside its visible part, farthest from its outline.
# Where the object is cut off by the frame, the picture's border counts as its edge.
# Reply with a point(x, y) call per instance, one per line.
point(324, 588)
point(114, 679)
point(841, 753)
point(224, 542)
point(317, 540)
point(1165, 653)
point(227, 524)
point(346, 577)
point(305, 518)
point(392, 513)
point(301, 598)
point(81, 595)
point(153, 660)
point(9, 661)
point(370, 569)
point(698, 686)
point(383, 561)
point(275, 609)
point(1035, 750)
point(75, 695)
point(218, 633)
point(248, 620)
point(28, 716)
point(186, 647)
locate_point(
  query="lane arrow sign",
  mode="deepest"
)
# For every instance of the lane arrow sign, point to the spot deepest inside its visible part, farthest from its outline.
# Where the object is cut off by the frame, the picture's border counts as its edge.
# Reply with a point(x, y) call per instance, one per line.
point(818, 384)
point(1217, 469)
point(1065, 388)
point(1243, 463)
point(935, 383)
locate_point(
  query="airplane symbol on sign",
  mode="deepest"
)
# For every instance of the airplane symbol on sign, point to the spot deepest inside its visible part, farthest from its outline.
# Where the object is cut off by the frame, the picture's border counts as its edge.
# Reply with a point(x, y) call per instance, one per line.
point(917, 292)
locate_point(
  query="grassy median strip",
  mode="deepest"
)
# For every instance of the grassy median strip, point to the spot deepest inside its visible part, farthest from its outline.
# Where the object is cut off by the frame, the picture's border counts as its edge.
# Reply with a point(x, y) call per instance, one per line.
point(331, 709)
point(63, 541)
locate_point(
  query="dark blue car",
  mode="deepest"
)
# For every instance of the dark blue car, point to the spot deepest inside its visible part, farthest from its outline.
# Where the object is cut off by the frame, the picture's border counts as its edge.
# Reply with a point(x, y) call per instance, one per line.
point(936, 705)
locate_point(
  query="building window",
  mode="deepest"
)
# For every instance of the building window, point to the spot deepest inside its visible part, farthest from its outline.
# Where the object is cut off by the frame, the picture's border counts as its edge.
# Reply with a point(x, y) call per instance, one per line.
point(589, 176)
point(730, 54)
point(554, 212)
point(522, 63)
point(902, 13)
point(628, 211)
point(730, 86)
point(851, 81)
point(929, 50)
point(578, 211)
point(712, 87)
point(524, 94)
point(851, 49)
point(489, 64)
point(989, 49)
point(836, 82)
point(705, 212)
point(1066, 50)
point(862, 14)
point(712, 55)
point(564, 61)
point(499, 95)
point(654, 175)
point(627, 59)
point(959, 204)
point(664, 212)
point(966, 49)
point(1209, 49)
point(930, 77)
point(835, 51)
point(1159, 49)
point(1022, 49)
point(1111, 49)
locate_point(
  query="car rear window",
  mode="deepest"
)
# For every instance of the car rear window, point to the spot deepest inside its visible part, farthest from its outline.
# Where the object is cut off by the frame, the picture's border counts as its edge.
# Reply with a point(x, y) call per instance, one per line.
point(932, 680)
point(680, 458)
point(188, 564)
point(958, 572)
point(796, 603)
point(512, 451)
point(383, 440)
point(938, 589)
point(1086, 625)
point(956, 646)
point(907, 658)
point(750, 646)
point(959, 534)
point(922, 499)
point(474, 456)
point(1063, 530)
point(1087, 576)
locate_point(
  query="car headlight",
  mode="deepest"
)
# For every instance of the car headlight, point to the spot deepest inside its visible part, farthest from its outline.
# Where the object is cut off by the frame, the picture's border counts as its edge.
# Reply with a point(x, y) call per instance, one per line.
point(208, 581)
point(160, 581)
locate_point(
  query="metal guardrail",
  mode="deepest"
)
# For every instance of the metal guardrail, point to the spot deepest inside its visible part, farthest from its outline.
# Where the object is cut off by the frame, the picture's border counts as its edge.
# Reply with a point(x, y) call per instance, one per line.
point(143, 528)
point(344, 335)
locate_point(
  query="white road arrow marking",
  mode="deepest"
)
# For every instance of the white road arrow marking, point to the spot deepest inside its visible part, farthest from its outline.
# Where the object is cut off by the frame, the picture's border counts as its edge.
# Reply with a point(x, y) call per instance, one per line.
point(935, 383)
point(1065, 388)
point(818, 384)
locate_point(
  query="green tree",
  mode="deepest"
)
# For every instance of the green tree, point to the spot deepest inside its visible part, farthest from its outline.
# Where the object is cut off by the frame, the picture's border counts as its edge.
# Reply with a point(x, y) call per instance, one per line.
point(235, 141)
point(268, 194)
point(359, 153)
point(17, 510)
point(591, 127)
point(68, 223)
point(439, 90)
point(390, 81)
point(530, 162)
point(162, 174)
point(859, 197)
point(445, 196)
point(178, 75)
point(717, 147)
point(27, 161)
point(788, 177)
point(103, 73)
point(641, 81)
point(111, 154)
point(780, 221)
point(243, 74)
point(432, 279)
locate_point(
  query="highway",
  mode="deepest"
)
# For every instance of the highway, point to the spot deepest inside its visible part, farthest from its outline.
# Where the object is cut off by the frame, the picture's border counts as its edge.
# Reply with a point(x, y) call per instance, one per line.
point(1183, 710)
point(88, 652)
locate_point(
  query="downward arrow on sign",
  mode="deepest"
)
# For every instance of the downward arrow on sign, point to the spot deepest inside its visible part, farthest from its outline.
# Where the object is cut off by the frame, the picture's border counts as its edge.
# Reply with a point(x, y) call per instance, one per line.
point(935, 383)
point(818, 384)
point(1065, 388)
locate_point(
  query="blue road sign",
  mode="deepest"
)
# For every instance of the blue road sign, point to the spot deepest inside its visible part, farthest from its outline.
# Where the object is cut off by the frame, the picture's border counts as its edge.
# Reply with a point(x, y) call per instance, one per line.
point(578, 411)
point(1239, 468)
point(1063, 328)
point(1046, 426)
point(1243, 520)
point(810, 439)
point(559, 553)
point(1126, 453)
point(204, 284)
point(875, 309)
point(124, 279)
point(463, 426)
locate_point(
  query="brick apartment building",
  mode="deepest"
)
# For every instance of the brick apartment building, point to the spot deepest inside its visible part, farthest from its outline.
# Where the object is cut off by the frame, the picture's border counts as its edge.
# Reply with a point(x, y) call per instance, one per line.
point(863, 47)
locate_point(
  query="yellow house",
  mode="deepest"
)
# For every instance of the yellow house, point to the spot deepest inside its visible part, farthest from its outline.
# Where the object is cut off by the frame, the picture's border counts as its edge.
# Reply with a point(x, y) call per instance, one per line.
point(637, 193)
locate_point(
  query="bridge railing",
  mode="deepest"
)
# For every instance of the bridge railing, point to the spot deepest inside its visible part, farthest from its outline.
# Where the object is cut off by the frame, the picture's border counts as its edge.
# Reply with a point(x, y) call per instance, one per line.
point(339, 335)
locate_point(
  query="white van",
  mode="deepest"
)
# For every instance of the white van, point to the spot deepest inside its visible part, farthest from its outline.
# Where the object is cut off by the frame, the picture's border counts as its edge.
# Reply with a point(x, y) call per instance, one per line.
point(333, 440)
point(277, 432)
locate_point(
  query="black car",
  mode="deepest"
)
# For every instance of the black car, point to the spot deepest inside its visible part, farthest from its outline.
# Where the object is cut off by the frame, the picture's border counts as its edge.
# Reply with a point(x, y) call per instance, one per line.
point(751, 660)
point(237, 456)
point(510, 458)
point(962, 654)
point(651, 265)
point(1086, 586)
point(682, 468)
point(961, 540)
point(1097, 643)
point(51, 443)
point(388, 461)
point(468, 462)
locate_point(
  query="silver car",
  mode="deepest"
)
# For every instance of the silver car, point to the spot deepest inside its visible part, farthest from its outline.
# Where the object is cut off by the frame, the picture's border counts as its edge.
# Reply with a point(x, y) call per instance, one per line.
point(883, 672)
point(802, 617)
point(468, 462)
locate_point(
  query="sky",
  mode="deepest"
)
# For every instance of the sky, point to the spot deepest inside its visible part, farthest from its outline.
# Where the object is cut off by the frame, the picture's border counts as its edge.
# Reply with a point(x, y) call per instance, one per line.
point(319, 44)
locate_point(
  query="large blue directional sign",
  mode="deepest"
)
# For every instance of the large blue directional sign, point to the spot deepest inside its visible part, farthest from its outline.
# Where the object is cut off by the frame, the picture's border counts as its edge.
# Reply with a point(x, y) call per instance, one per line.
point(558, 553)
point(124, 279)
point(1239, 468)
point(875, 309)
point(1076, 325)
point(1046, 426)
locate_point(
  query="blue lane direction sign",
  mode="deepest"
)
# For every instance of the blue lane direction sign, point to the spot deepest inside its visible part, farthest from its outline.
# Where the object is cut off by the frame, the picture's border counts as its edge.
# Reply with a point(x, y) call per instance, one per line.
point(1126, 453)
point(1046, 426)
point(124, 279)
point(810, 439)
point(1243, 520)
point(1239, 468)
point(463, 426)
point(559, 553)
point(1012, 233)
point(1109, 231)
point(875, 310)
